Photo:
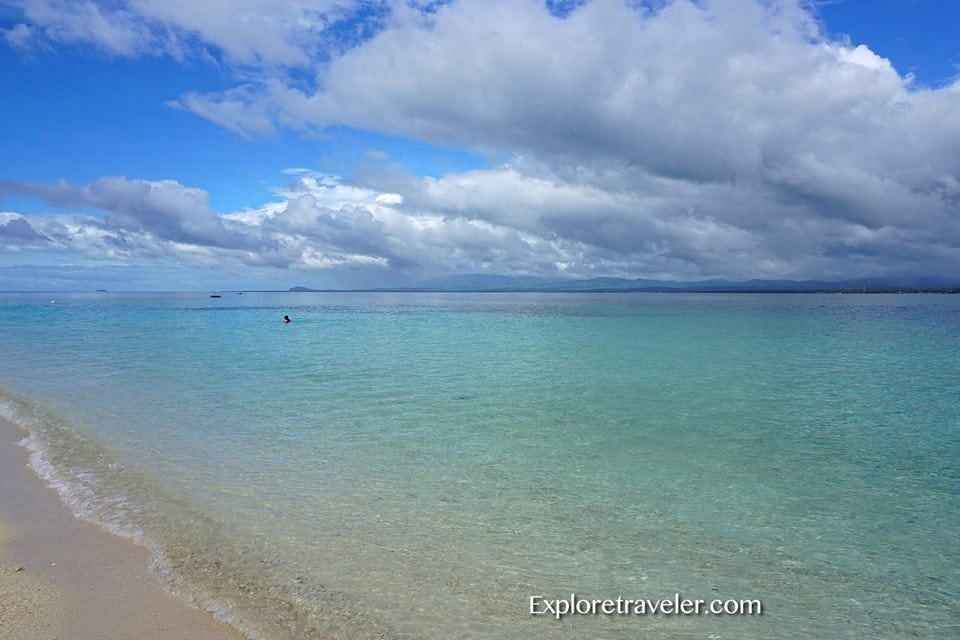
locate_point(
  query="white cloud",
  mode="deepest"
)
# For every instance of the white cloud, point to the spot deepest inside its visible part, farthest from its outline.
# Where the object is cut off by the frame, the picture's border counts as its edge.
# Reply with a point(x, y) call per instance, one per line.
point(320, 223)
point(456, 225)
point(247, 32)
point(116, 30)
point(721, 133)
point(712, 138)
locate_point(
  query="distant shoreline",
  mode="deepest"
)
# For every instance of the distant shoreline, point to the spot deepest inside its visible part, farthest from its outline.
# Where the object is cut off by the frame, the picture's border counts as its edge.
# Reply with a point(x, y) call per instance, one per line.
point(880, 290)
point(869, 291)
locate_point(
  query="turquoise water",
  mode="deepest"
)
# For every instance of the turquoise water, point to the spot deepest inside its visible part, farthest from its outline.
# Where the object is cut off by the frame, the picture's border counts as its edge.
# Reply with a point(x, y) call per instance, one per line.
point(418, 465)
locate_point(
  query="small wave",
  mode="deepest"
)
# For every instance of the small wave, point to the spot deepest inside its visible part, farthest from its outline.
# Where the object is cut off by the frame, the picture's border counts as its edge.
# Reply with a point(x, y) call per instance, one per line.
point(77, 488)
point(194, 558)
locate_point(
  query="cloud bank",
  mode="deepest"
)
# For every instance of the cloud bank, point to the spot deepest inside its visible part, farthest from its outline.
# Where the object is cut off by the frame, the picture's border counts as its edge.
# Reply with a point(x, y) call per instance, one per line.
point(671, 139)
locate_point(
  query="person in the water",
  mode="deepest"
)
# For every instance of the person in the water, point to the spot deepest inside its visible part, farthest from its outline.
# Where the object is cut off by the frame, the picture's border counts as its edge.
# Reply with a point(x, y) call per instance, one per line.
point(287, 320)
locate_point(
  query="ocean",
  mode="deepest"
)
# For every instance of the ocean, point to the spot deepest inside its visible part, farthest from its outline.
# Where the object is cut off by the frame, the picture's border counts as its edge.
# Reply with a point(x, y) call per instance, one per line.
point(418, 465)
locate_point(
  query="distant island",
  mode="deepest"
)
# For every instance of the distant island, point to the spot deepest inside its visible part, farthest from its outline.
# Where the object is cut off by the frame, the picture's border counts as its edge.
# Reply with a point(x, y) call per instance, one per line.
point(477, 283)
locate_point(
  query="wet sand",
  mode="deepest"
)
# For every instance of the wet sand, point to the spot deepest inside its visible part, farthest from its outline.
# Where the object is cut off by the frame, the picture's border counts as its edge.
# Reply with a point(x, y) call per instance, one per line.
point(62, 578)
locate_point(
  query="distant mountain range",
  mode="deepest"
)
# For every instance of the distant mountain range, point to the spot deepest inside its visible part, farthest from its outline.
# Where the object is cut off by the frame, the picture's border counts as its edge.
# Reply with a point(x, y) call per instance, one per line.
point(504, 283)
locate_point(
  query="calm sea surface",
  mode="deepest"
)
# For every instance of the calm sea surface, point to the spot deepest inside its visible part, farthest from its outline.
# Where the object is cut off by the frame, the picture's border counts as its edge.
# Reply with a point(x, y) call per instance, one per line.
point(418, 465)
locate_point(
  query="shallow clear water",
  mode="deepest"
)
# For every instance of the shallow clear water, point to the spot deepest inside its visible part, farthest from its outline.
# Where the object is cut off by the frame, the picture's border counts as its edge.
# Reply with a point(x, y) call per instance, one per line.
point(418, 465)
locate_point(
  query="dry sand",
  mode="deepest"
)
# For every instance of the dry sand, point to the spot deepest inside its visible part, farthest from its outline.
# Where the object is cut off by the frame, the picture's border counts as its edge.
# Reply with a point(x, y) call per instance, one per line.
point(65, 579)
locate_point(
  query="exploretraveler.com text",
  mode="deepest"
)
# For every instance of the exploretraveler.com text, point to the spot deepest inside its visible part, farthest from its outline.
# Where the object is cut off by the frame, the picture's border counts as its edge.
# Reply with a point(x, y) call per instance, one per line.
point(676, 606)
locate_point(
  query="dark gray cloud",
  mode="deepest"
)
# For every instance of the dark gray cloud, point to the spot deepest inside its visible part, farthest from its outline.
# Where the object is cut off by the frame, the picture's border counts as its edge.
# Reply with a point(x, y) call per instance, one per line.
point(165, 209)
point(17, 231)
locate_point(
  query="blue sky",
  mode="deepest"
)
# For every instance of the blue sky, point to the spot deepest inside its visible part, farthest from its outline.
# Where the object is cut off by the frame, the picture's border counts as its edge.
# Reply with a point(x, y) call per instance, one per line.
point(919, 36)
point(80, 114)
point(148, 144)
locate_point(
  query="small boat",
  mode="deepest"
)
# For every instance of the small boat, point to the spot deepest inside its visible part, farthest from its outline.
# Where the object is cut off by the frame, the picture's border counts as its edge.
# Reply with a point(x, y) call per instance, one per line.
point(215, 295)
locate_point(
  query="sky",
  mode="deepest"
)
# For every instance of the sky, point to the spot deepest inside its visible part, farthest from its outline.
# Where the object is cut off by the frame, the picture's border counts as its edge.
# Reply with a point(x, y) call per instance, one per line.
point(194, 144)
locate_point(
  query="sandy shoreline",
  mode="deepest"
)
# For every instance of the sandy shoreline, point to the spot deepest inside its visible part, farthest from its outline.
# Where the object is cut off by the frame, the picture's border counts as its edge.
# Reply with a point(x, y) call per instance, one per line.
point(63, 578)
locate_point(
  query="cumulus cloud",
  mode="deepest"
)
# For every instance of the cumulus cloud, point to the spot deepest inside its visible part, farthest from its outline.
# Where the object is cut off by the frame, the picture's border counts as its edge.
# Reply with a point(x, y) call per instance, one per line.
point(457, 224)
point(676, 138)
point(725, 133)
point(317, 223)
